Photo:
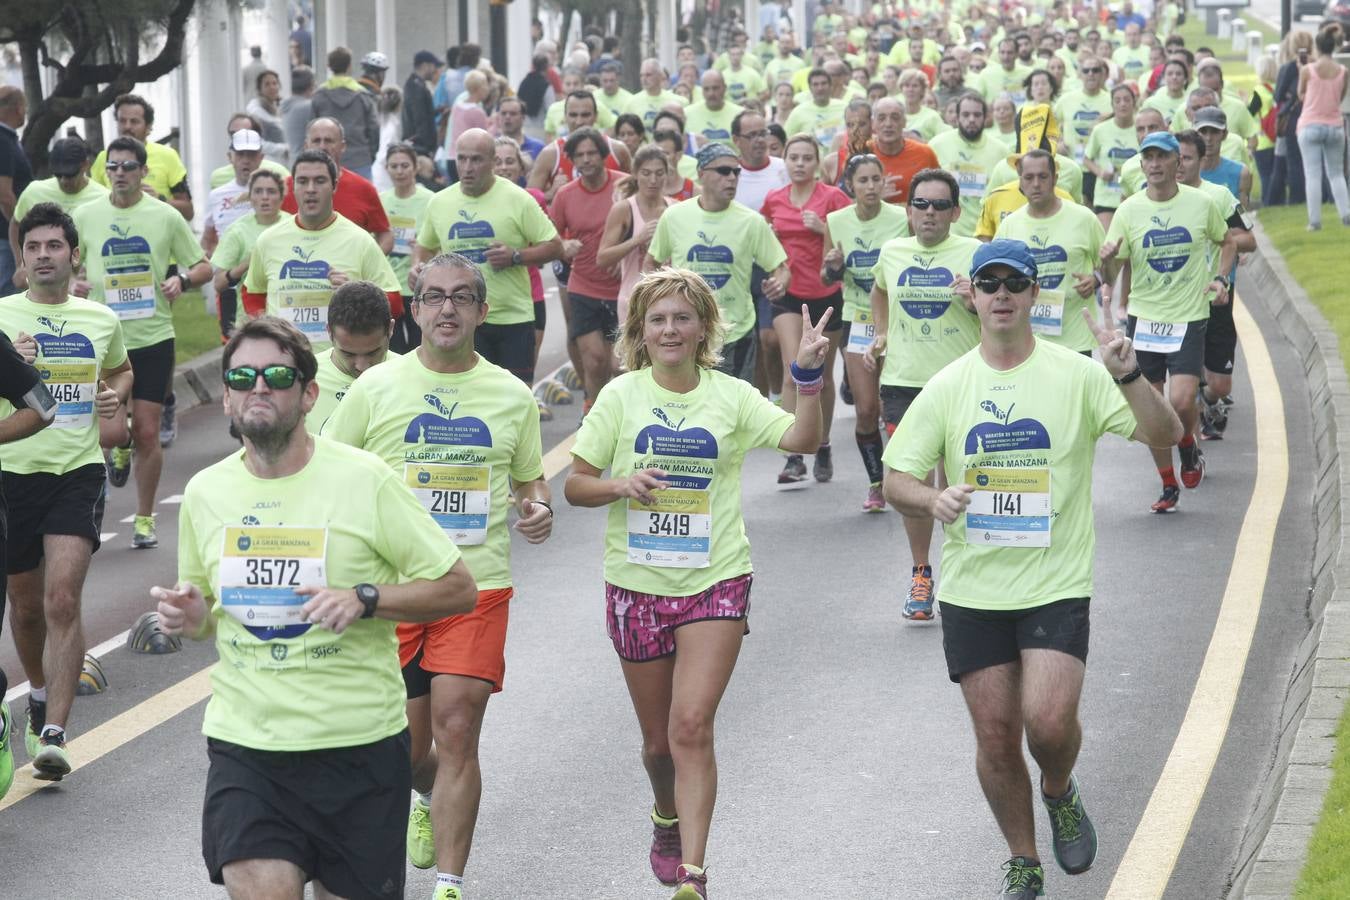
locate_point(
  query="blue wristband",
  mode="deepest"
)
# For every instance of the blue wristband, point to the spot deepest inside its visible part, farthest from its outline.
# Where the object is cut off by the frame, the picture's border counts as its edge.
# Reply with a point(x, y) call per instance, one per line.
point(801, 375)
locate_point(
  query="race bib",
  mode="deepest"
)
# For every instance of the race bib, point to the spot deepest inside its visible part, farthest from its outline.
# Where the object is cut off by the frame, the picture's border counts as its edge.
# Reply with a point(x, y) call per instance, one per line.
point(1047, 313)
point(1009, 508)
point(405, 232)
point(674, 531)
point(130, 294)
point(260, 568)
point(971, 180)
point(458, 497)
point(862, 331)
point(308, 311)
point(1159, 337)
point(72, 386)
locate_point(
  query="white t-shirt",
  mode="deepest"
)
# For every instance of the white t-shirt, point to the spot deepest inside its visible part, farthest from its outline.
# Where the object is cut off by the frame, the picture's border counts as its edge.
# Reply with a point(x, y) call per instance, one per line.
point(755, 184)
point(227, 203)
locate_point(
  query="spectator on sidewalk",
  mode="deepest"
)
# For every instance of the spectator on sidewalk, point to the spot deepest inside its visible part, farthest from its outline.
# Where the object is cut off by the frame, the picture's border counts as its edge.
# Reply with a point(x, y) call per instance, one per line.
point(298, 109)
point(1321, 133)
point(419, 108)
point(15, 173)
point(343, 99)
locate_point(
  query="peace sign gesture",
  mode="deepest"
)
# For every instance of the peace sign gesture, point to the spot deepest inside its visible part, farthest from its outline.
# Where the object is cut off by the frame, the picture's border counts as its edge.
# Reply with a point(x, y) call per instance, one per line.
point(1117, 350)
point(815, 345)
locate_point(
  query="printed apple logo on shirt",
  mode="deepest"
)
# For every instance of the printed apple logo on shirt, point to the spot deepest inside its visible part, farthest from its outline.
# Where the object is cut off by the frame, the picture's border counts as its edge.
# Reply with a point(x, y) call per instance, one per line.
point(1004, 435)
point(860, 260)
point(921, 276)
point(1170, 245)
point(671, 439)
point(304, 267)
point(129, 245)
point(430, 428)
point(471, 228)
point(711, 260)
point(1045, 255)
point(1083, 122)
point(55, 343)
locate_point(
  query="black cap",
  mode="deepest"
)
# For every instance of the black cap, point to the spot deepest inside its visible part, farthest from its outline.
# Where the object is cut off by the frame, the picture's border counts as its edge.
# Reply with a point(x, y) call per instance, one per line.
point(67, 156)
point(426, 56)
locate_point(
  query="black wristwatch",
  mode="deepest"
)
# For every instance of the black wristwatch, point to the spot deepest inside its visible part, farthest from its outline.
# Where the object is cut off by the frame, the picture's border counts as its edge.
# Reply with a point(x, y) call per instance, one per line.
point(1132, 376)
point(516, 258)
point(1223, 280)
point(184, 282)
point(369, 595)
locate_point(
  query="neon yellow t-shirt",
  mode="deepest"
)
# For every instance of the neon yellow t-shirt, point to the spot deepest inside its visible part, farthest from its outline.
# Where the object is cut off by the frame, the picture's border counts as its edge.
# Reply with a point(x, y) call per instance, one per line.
point(1132, 179)
point(1068, 175)
point(1078, 113)
point(458, 223)
point(333, 386)
point(782, 68)
point(1026, 439)
point(861, 242)
point(291, 265)
point(614, 104)
point(721, 247)
point(693, 536)
point(970, 163)
point(996, 80)
point(1064, 245)
point(1168, 244)
point(926, 123)
point(713, 125)
point(927, 326)
point(248, 542)
point(406, 215)
point(222, 174)
point(645, 106)
point(1003, 201)
point(48, 190)
point(1133, 61)
point(456, 441)
point(1166, 104)
point(126, 255)
point(77, 341)
point(164, 169)
point(238, 241)
point(1111, 145)
point(555, 118)
point(747, 83)
point(824, 122)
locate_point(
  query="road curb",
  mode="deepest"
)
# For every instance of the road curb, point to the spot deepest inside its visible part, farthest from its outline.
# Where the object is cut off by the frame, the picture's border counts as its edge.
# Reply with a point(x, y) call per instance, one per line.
point(1275, 845)
point(197, 381)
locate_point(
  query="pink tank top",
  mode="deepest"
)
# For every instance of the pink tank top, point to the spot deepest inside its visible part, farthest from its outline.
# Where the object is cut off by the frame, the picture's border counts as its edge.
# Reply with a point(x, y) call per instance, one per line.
point(1322, 103)
point(630, 267)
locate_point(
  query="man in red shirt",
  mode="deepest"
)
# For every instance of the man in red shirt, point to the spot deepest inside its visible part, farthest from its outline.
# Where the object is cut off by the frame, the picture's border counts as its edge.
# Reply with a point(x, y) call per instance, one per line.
point(355, 198)
point(901, 157)
point(579, 211)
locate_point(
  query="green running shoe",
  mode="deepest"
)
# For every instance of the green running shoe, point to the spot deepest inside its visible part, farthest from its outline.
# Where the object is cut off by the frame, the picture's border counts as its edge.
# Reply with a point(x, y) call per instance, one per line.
point(119, 466)
point(143, 535)
point(421, 837)
point(37, 718)
point(6, 754)
point(51, 763)
point(447, 892)
point(1023, 879)
point(1075, 838)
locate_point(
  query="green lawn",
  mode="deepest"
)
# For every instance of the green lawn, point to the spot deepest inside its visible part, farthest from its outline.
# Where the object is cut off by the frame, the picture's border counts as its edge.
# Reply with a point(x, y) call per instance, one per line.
point(196, 330)
point(1236, 72)
point(1318, 257)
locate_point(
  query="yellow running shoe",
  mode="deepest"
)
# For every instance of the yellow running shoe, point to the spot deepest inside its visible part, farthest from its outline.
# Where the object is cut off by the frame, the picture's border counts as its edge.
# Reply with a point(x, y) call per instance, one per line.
point(447, 892)
point(421, 837)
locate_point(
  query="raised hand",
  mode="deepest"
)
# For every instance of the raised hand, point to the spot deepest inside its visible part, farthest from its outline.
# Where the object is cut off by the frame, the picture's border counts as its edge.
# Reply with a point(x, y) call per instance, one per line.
point(815, 345)
point(1117, 350)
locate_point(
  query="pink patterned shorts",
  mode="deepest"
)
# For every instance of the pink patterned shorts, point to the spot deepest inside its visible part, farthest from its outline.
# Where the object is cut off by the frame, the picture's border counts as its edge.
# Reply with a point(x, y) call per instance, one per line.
point(642, 626)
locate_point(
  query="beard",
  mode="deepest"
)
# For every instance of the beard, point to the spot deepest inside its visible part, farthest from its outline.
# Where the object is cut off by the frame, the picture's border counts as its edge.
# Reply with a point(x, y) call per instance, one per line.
point(269, 439)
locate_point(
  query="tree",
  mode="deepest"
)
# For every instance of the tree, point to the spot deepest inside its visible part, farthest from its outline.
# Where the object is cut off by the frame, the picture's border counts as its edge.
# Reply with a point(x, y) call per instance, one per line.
point(102, 42)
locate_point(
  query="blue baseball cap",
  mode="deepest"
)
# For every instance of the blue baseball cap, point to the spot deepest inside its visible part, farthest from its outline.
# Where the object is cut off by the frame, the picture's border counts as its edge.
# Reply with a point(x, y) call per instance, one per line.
point(1161, 140)
point(1003, 251)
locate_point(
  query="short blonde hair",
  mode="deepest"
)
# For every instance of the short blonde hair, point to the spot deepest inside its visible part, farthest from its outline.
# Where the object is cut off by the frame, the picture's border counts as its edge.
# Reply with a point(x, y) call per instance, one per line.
point(802, 138)
point(657, 285)
point(909, 75)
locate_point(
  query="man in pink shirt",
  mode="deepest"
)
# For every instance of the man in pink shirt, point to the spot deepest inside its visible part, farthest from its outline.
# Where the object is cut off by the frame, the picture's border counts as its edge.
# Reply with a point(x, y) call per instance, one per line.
point(579, 211)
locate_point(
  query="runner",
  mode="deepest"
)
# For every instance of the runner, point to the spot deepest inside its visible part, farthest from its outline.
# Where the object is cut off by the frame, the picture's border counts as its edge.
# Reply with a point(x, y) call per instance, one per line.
point(823, 116)
point(1112, 142)
point(921, 307)
point(579, 212)
point(968, 152)
point(298, 262)
point(164, 178)
point(359, 328)
point(69, 187)
point(710, 118)
point(552, 169)
point(1001, 594)
point(673, 431)
point(902, 157)
point(132, 237)
point(231, 258)
point(32, 409)
point(654, 95)
point(492, 221)
point(406, 206)
point(849, 142)
point(228, 203)
point(467, 470)
point(1167, 232)
point(307, 700)
point(721, 240)
point(54, 481)
point(797, 214)
point(1065, 240)
point(631, 222)
point(354, 197)
point(1080, 110)
point(852, 241)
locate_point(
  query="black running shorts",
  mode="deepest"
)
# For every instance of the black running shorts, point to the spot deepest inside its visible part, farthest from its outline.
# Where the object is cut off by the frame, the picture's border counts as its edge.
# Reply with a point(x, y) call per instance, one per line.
point(509, 346)
point(895, 402)
point(1220, 340)
point(153, 370)
point(42, 503)
point(980, 638)
point(1188, 359)
point(738, 357)
point(594, 314)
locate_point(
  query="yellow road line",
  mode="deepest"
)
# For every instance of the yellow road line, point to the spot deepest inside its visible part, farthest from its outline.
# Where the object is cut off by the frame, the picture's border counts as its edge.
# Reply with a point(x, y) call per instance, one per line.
point(1152, 853)
point(560, 457)
point(117, 731)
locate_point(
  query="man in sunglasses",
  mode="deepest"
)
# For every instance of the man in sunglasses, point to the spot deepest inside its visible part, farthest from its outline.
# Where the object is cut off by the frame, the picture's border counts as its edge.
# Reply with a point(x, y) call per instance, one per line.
point(1080, 110)
point(165, 177)
point(1168, 234)
point(921, 306)
point(359, 327)
point(760, 173)
point(302, 596)
point(130, 240)
point(1024, 417)
point(463, 435)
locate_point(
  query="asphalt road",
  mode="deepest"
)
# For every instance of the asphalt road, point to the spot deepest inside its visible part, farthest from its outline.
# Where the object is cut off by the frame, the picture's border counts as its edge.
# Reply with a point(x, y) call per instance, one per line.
point(846, 760)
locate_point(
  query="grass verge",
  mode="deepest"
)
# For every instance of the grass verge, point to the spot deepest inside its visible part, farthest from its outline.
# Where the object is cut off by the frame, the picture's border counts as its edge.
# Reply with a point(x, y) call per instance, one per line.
point(195, 330)
point(1318, 258)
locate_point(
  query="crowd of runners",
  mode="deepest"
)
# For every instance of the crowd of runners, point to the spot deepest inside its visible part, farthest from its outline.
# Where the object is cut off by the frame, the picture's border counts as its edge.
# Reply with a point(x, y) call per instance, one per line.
point(998, 233)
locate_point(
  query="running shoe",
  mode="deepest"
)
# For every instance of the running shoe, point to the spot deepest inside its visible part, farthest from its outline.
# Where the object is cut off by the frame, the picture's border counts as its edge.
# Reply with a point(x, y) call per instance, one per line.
point(794, 470)
point(6, 754)
point(1075, 838)
point(447, 892)
point(119, 466)
point(168, 425)
point(693, 883)
point(1213, 421)
point(846, 391)
point(875, 502)
point(37, 720)
point(823, 467)
point(666, 851)
point(51, 762)
point(1168, 500)
point(1192, 466)
point(1023, 879)
point(1227, 400)
point(421, 837)
point(919, 603)
point(143, 533)
point(545, 414)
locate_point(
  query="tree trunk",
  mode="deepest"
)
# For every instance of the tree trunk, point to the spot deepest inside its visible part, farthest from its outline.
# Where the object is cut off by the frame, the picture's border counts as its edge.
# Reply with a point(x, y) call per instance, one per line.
point(567, 9)
point(629, 27)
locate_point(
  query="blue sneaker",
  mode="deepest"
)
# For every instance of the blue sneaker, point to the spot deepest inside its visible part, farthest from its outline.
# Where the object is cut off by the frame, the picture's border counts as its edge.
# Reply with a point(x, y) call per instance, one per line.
point(919, 603)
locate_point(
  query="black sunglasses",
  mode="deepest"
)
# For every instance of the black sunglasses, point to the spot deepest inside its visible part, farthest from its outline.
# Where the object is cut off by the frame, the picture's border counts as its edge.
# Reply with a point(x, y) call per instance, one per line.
point(989, 284)
point(939, 205)
point(725, 171)
point(278, 377)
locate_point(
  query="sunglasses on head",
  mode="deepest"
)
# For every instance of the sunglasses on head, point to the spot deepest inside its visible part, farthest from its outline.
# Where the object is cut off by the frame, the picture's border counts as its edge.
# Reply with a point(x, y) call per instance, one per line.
point(939, 205)
point(989, 284)
point(126, 165)
point(245, 378)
